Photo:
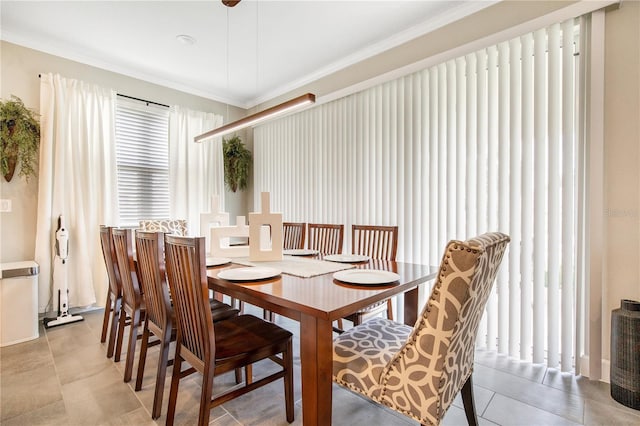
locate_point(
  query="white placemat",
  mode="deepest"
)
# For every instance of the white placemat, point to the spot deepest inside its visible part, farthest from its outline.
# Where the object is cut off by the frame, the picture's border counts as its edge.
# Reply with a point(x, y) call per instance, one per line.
point(298, 266)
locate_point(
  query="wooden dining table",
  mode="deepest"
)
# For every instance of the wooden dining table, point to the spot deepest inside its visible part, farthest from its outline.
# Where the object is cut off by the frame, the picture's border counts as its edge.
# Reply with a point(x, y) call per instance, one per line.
point(315, 303)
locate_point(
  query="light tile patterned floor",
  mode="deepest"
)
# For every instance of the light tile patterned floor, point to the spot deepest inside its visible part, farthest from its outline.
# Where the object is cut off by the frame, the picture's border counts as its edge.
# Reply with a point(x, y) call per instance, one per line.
point(64, 378)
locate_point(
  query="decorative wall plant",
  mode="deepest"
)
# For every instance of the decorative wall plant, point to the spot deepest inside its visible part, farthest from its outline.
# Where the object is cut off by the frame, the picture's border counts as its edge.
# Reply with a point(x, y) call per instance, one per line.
point(20, 138)
point(237, 163)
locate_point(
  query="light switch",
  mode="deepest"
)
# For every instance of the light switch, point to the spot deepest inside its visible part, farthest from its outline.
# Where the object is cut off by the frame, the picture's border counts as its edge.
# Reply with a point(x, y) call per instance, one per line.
point(5, 206)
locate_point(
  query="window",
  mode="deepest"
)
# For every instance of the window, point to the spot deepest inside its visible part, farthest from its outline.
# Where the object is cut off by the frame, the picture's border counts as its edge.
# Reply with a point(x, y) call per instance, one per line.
point(142, 138)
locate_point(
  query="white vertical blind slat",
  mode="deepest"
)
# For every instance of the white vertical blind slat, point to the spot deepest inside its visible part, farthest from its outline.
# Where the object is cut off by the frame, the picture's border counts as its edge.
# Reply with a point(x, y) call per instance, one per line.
point(554, 240)
point(568, 197)
point(515, 194)
point(504, 186)
point(540, 198)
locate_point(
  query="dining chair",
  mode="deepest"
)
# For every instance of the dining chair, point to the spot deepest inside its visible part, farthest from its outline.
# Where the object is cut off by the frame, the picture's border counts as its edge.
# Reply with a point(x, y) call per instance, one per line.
point(160, 319)
point(170, 226)
point(113, 304)
point(418, 370)
point(212, 349)
point(294, 234)
point(133, 309)
point(326, 238)
point(377, 242)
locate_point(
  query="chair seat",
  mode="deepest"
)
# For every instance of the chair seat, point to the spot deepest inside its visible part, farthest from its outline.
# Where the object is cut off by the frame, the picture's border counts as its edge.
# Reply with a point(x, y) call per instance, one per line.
point(221, 311)
point(245, 335)
point(361, 353)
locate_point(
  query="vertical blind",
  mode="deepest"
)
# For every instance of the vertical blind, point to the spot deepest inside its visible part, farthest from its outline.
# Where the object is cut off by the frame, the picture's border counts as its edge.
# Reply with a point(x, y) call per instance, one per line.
point(484, 142)
point(142, 137)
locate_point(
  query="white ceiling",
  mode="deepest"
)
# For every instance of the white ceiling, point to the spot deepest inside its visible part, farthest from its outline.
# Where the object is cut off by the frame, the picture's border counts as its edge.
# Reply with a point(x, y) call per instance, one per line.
point(242, 55)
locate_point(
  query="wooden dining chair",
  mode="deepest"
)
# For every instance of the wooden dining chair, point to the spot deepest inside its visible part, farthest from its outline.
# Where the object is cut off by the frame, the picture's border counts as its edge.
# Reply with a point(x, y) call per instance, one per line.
point(133, 310)
point(294, 234)
point(326, 238)
point(113, 304)
point(418, 370)
point(377, 242)
point(160, 319)
point(212, 349)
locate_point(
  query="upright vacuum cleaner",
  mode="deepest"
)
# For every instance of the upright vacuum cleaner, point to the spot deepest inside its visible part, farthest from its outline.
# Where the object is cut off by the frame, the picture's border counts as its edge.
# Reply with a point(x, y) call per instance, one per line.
point(62, 252)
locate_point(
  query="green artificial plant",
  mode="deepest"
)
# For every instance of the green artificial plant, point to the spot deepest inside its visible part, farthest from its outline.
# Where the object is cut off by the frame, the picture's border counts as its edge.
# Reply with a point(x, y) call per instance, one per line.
point(237, 163)
point(20, 138)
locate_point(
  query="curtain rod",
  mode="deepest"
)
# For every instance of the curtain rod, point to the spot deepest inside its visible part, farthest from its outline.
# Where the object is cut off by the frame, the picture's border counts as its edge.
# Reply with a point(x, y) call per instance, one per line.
point(135, 99)
point(144, 100)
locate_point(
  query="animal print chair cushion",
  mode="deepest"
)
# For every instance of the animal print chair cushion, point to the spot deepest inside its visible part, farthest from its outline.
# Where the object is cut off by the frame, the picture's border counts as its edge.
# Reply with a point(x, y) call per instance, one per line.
point(418, 371)
point(172, 226)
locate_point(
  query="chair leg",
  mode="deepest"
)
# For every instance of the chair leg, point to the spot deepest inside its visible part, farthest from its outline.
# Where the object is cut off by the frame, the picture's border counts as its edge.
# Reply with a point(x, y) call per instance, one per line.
point(467, 401)
point(357, 319)
point(143, 356)
point(173, 391)
point(268, 315)
point(248, 374)
point(163, 359)
point(287, 356)
point(389, 310)
point(205, 397)
point(131, 350)
point(115, 326)
point(105, 319)
point(121, 326)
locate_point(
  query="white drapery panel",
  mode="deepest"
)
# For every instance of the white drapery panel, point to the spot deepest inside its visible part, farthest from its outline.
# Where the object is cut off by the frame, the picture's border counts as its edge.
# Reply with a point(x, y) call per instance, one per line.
point(485, 142)
point(77, 179)
point(196, 170)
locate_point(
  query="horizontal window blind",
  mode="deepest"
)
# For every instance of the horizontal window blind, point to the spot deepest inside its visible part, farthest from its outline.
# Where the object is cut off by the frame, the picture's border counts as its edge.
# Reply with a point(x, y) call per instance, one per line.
point(484, 142)
point(143, 161)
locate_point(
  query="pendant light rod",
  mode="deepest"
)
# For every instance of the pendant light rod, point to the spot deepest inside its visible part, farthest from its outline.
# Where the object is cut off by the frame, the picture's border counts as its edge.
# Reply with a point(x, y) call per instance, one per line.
point(259, 117)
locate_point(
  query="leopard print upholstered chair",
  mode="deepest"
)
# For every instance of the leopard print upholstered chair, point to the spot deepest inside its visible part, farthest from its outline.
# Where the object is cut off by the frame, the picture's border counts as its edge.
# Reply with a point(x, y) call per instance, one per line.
point(170, 226)
point(418, 371)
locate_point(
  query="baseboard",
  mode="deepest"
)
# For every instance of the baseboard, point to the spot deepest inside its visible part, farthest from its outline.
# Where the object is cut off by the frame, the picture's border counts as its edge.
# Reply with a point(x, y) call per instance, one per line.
point(605, 369)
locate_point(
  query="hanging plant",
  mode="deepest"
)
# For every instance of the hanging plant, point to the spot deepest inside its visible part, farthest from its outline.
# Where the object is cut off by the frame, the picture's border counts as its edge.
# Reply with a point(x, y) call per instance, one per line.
point(20, 138)
point(237, 163)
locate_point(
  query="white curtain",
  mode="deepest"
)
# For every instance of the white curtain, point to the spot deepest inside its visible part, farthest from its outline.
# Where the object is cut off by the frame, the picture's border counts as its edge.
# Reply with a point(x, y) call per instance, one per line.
point(196, 170)
point(77, 179)
point(484, 142)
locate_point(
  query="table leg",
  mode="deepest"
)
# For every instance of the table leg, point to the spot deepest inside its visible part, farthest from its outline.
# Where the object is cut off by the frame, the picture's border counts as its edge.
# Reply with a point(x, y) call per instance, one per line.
point(316, 357)
point(411, 308)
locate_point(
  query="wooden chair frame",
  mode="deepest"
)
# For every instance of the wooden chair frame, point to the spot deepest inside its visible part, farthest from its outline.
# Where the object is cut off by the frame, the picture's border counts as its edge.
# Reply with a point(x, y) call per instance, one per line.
point(132, 305)
point(199, 341)
point(294, 235)
point(377, 242)
point(159, 322)
point(113, 305)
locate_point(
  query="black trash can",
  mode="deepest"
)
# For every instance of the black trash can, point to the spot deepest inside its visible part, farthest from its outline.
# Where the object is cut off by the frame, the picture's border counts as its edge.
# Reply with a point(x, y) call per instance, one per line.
point(625, 353)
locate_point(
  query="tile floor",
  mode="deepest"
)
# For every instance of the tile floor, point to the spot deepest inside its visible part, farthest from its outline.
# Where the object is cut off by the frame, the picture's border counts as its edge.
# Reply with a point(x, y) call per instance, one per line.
point(64, 378)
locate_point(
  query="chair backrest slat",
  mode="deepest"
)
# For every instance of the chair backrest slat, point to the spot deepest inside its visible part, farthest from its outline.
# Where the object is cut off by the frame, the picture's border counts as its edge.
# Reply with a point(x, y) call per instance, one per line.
point(187, 276)
point(294, 234)
point(377, 242)
point(111, 264)
point(152, 277)
point(126, 265)
point(326, 238)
